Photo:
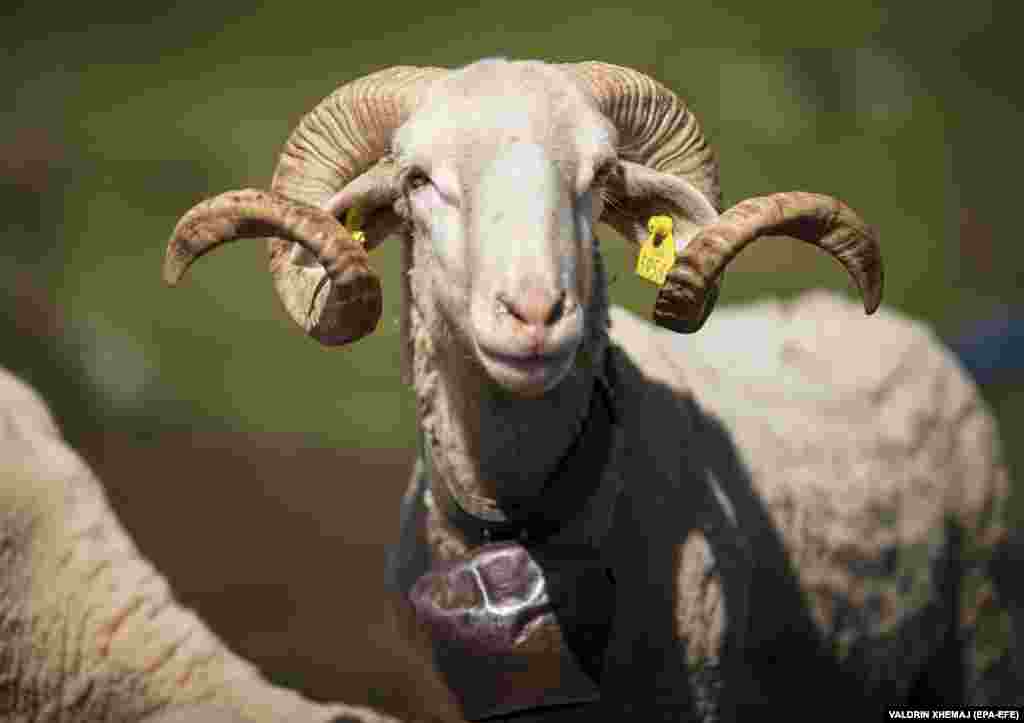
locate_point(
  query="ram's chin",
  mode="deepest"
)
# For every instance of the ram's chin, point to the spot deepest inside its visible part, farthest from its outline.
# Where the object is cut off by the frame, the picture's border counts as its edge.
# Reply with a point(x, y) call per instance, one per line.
point(529, 375)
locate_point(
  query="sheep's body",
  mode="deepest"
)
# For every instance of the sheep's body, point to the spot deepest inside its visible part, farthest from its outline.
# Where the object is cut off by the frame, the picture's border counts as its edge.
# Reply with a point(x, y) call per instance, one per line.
point(881, 473)
point(779, 526)
point(89, 631)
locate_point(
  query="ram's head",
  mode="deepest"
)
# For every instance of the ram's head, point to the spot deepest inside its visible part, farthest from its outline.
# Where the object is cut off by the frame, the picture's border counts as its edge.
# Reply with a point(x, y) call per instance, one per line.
point(496, 175)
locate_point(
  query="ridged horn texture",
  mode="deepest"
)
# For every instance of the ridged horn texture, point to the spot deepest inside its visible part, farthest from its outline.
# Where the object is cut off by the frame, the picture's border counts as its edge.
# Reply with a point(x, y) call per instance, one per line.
point(822, 221)
point(657, 130)
point(344, 136)
point(655, 126)
point(255, 214)
point(341, 138)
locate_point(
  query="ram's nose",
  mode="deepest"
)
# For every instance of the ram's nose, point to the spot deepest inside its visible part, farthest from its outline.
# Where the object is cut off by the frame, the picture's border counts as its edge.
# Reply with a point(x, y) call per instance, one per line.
point(534, 307)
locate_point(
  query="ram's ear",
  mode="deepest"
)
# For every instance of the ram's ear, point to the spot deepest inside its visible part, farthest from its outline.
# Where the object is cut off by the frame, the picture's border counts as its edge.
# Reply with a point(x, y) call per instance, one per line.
point(369, 200)
point(636, 193)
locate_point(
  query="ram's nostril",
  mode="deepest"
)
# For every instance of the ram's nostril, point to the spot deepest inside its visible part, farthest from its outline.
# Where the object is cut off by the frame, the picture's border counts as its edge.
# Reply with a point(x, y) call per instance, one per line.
point(556, 311)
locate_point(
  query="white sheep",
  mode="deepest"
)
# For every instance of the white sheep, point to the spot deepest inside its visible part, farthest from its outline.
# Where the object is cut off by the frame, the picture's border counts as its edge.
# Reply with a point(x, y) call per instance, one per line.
point(89, 630)
point(606, 516)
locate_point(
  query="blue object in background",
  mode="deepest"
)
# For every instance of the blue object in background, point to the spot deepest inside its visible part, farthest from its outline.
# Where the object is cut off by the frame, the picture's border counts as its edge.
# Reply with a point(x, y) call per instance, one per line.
point(993, 349)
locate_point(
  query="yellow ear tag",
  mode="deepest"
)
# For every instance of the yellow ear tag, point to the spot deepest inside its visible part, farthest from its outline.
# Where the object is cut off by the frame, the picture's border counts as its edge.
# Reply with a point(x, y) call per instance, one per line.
point(658, 252)
point(354, 224)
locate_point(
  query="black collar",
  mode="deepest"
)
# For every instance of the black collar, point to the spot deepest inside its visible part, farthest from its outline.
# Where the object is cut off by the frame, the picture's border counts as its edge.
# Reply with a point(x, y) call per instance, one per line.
point(564, 494)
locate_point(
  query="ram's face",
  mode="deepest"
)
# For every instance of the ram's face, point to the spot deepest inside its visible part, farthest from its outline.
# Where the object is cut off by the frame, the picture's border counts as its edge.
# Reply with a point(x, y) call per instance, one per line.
point(502, 202)
point(499, 172)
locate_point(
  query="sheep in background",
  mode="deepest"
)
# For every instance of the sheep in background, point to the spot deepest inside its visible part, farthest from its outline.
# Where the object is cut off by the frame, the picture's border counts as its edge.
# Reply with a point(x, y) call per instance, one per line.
point(792, 505)
point(89, 631)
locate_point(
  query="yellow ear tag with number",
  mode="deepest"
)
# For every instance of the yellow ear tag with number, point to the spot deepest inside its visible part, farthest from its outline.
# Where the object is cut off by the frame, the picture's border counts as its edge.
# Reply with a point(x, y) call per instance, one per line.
point(354, 224)
point(658, 252)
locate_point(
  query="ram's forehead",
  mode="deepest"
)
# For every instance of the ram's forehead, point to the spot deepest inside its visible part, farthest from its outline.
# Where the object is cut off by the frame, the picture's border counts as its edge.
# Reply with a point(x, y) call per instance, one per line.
point(473, 112)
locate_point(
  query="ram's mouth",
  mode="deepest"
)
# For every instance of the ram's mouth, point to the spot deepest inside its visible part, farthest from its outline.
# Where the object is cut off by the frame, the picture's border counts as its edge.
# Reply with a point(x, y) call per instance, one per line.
point(527, 373)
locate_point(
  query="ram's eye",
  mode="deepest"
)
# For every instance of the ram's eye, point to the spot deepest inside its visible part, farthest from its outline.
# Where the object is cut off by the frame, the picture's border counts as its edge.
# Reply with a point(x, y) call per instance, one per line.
point(604, 173)
point(416, 179)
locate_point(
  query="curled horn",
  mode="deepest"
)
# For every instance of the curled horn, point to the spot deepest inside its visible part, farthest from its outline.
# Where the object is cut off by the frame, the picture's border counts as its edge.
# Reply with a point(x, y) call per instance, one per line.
point(356, 293)
point(823, 221)
point(655, 127)
point(343, 137)
point(657, 130)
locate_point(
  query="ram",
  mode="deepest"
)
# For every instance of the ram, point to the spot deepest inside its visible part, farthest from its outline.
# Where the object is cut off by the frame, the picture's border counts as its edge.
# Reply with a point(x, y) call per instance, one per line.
point(606, 516)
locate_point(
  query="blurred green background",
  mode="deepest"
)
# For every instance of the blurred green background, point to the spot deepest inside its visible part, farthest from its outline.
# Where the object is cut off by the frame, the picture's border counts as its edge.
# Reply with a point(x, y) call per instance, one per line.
point(120, 116)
